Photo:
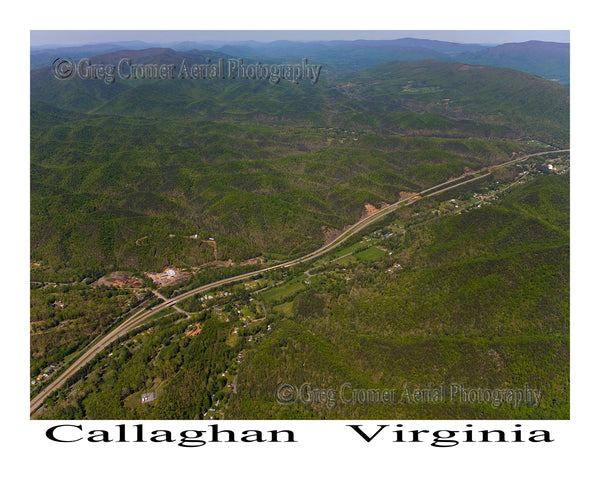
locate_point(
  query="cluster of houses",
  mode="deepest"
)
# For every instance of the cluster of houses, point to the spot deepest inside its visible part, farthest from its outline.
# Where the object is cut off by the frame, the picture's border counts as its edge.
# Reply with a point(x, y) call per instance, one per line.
point(45, 374)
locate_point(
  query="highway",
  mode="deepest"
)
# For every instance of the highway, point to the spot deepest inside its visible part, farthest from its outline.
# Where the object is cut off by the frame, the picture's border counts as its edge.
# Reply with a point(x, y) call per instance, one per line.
point(140, 317)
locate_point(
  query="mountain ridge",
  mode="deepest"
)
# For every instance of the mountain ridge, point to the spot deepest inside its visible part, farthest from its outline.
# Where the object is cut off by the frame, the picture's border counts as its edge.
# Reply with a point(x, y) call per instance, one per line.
point(547, 59)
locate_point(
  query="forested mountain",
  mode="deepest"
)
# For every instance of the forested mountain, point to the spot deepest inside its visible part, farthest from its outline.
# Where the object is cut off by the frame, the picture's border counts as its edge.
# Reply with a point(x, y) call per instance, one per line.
point(115, 163)
point(547, 59)
point(217, 177)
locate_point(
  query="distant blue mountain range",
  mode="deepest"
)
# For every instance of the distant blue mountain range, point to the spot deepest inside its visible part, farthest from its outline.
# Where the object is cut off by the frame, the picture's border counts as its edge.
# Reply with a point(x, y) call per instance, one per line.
point(549, 60)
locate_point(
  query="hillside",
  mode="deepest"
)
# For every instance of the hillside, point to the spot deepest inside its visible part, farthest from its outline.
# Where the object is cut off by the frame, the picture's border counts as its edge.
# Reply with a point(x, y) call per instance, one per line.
point(145, 190)
point(480, 300)
point(137, 179)
point(114, 163)
point(464, 100)
point(546, 59)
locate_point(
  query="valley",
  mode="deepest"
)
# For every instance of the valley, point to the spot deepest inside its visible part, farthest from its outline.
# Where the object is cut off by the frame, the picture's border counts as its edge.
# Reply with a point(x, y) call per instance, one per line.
point(197, 244)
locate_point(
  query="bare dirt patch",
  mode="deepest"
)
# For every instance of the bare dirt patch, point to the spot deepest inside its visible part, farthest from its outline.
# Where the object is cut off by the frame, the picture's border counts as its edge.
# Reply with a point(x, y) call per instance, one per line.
point(169, 276)
point(193, 330)
point(370, 210)
point(120, 280)
point(405, 195)
point(252, 261)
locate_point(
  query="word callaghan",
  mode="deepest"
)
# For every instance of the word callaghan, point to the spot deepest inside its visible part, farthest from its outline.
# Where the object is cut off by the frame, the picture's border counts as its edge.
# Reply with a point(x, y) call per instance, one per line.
point(221, 69)
point(71, 433)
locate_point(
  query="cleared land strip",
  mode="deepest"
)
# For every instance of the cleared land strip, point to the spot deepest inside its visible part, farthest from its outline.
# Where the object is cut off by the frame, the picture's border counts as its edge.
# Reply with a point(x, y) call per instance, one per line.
point(142, 316)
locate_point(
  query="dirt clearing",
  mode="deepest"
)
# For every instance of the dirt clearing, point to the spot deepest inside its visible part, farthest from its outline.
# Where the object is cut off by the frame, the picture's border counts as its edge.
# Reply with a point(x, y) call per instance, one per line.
point(119, 280)
point(169, 276)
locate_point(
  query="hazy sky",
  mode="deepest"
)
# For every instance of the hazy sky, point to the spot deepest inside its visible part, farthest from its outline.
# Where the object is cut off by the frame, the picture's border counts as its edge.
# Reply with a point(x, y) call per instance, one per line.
point(81, 37)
